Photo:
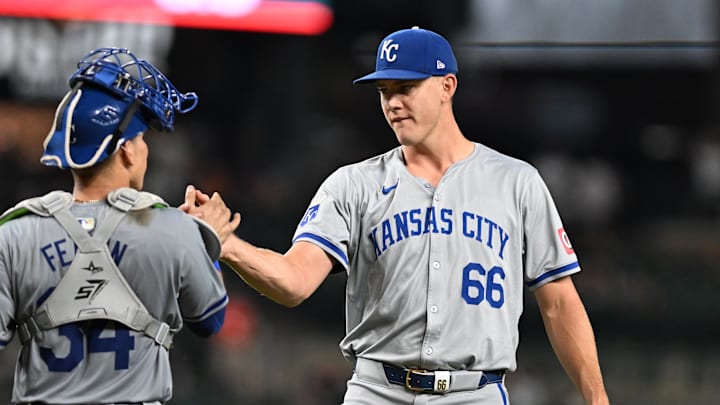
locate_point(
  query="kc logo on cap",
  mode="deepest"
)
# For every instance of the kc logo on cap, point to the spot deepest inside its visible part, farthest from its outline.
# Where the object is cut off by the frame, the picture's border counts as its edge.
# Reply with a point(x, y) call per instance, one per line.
point(412, 54)
point(388, 50)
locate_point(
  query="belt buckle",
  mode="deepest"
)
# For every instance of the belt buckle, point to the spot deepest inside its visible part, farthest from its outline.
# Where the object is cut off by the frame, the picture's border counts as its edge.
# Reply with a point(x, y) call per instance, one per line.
point(408, 380)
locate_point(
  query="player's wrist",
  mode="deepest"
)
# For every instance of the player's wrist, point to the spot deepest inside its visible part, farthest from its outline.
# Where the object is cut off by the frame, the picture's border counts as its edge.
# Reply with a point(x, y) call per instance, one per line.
point(230, 252)
point(598, 398)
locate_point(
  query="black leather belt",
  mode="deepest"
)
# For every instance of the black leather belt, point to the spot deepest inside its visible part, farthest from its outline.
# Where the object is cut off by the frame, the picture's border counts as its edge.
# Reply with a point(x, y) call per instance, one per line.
point(434, 381)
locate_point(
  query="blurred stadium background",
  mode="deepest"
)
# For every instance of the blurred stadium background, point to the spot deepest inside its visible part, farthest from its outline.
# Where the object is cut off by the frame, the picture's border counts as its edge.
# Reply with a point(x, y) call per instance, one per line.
point(616, 102)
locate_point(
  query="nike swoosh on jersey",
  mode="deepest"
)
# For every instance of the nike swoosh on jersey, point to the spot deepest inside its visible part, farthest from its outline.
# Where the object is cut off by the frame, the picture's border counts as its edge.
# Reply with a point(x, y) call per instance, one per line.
point(387, 190)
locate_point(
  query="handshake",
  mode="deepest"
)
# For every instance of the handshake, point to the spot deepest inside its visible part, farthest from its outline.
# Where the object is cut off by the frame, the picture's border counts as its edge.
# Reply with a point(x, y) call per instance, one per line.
point(212, 210)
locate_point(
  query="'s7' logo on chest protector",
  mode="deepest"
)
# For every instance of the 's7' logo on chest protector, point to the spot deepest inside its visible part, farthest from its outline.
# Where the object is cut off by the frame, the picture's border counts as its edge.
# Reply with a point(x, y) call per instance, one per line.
point(90, 290)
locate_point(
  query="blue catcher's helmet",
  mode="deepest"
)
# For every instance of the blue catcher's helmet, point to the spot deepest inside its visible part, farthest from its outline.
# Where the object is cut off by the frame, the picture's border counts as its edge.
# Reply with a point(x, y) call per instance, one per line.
point(115, 96)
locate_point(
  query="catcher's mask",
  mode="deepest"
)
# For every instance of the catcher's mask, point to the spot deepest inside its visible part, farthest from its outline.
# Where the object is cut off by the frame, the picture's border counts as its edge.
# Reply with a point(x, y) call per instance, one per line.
point(115, 96)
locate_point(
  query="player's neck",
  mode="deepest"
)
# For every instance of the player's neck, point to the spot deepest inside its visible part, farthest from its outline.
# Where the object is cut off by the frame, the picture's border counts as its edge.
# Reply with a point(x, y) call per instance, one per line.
point(95, 190)
point(94, 185)
point(90, 194)
point(430, 162)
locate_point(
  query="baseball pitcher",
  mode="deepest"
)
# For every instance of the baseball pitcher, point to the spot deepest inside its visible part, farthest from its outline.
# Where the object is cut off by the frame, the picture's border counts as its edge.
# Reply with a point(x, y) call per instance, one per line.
point(438, 237)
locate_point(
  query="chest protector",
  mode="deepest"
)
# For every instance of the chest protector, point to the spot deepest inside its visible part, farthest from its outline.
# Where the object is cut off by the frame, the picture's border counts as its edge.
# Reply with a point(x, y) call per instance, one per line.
point(93, 287)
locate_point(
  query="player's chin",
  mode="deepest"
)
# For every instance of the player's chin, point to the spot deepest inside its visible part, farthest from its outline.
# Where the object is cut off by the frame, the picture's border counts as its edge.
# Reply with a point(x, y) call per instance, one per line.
point(401, 133)
point(406, 138)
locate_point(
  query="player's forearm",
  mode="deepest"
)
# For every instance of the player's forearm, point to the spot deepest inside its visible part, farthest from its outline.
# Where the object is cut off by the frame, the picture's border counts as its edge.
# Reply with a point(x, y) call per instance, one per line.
point(572, 338)
point(574, 343)
point(267, 271)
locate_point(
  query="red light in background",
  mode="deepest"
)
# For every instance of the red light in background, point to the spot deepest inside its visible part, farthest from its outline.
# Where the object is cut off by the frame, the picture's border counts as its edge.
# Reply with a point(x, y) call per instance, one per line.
point(282, 17)
point(240, 325)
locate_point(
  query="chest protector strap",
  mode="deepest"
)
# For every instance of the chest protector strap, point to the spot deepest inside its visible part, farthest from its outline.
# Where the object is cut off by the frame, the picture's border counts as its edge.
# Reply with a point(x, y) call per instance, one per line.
point(93, 287)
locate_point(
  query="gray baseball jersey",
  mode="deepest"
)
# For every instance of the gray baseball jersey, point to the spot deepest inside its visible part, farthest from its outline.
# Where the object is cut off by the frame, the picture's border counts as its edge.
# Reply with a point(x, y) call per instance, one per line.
point(160, 253)
point(436, 274)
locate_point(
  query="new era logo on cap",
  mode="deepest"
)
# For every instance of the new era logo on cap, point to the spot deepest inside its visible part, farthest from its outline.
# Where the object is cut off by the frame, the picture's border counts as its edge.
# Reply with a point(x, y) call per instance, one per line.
point(412, 54)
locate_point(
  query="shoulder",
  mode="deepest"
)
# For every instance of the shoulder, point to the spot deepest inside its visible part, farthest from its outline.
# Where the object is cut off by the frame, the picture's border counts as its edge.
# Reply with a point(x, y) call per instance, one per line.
point(165, 217)
point(27, 214)
point(502, 164)
point(373, 169)
point(15, 223)
point(20, 224)
point(41, 206)
point(172, 229)
point(171, 220)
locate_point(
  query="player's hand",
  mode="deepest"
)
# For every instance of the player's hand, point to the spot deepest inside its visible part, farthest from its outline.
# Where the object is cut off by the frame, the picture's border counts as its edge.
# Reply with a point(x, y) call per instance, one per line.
point(212, 210)
point(194, 198)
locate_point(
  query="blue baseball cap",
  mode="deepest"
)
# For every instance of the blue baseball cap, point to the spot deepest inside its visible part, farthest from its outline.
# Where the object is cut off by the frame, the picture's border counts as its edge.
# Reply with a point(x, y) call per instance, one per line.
point(412, 54)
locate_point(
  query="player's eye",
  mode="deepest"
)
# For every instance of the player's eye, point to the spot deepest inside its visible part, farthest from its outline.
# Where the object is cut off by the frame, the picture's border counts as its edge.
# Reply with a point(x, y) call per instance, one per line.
point(406, 89)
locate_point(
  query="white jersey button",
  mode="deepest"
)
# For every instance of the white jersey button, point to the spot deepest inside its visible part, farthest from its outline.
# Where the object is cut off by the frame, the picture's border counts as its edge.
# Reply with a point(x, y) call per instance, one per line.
point(428, 350)
point(433, 309)
point(436, 265)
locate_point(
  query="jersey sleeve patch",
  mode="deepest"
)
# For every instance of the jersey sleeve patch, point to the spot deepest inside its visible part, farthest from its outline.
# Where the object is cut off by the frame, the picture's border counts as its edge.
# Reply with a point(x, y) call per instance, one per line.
point(310, 214)
point(565, 241)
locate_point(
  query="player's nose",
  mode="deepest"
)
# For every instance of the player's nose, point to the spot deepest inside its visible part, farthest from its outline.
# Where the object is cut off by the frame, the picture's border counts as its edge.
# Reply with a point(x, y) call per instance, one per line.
point(393, 101)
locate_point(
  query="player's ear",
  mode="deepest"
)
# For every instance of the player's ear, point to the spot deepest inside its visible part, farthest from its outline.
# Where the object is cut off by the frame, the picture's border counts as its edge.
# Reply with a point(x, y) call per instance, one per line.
point(127, 153)
point(449, 85)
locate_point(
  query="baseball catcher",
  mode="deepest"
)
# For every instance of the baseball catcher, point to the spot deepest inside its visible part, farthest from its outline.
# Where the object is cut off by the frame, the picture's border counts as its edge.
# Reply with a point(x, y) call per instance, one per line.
point(96, 283)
